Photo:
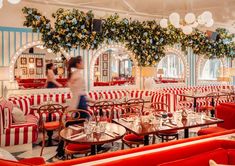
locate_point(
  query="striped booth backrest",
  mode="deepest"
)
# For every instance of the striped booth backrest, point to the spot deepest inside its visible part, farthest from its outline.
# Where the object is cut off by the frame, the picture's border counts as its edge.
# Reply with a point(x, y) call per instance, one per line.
point(95, 95)
point(141, 94)
point(166, 98)
point(23, 103)
point(38, 99)
point(109, 95)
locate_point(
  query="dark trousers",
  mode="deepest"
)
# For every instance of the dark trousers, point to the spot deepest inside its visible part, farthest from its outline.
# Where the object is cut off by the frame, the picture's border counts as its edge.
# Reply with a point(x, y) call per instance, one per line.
point(51, 85)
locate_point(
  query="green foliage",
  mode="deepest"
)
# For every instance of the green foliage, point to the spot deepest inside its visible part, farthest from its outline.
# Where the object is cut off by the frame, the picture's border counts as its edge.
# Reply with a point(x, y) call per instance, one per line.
point(146, 39)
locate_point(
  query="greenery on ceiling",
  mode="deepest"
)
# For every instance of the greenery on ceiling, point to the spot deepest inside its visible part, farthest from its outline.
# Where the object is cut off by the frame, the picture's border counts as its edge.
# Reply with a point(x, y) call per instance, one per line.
point(146, 39)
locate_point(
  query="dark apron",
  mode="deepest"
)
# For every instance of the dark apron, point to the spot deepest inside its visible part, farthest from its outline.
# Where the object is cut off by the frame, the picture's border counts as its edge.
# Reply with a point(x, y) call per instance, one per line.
point(51, 85)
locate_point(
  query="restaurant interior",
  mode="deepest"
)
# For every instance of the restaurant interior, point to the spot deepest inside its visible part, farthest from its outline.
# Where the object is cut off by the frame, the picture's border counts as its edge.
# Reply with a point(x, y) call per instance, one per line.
point(117, 82)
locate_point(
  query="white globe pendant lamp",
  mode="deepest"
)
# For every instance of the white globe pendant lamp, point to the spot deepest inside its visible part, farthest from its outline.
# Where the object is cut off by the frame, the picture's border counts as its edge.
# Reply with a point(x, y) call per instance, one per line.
point(189, 18)
point(209, 23)
point(206, 16)
point(1, 3)
point(174, 18)
point(187, 29)
point(195, 24)
point(14, 1)
point(164, 23)
point(200, 20)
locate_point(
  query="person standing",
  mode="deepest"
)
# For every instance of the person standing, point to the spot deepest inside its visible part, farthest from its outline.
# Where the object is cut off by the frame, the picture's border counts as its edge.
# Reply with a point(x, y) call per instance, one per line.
point(76, 83)
point(51, 79)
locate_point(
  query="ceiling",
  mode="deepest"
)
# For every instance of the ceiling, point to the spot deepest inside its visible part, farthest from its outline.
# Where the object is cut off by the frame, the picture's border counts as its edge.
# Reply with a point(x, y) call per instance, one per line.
point(223, 10)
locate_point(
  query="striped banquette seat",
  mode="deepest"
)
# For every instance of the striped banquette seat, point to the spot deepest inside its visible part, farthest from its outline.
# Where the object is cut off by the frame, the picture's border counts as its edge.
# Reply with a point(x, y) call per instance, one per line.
point(12, 133)
point(120, 95)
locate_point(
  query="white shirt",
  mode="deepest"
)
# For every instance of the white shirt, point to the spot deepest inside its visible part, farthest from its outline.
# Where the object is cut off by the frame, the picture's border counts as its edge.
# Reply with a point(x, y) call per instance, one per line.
point(77, 87)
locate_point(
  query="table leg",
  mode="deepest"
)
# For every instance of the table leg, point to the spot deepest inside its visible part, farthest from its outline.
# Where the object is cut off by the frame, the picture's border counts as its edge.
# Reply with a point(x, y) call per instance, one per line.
point(146, 140)
point(195, 104)
point(212, 104)
point(186, 133)
point(93, 149)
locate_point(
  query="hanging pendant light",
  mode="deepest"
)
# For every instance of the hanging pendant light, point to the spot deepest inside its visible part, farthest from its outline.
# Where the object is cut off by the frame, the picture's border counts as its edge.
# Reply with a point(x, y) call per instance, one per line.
point(164, 23)
point(209, 23)
point(174, 18)
point(187, 29)
point(189, 18)
point(1, 3)
point(14, 1)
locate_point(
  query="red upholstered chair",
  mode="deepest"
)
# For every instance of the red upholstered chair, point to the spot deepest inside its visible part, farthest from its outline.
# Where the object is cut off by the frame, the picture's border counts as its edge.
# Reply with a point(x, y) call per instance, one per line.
point(71, 117)
point(210, 130)
point(207, 99)
point(33, 161)
point(23, 162)
point(103, 109)
point(133, 107)
point(164, 135)
point(49, 126)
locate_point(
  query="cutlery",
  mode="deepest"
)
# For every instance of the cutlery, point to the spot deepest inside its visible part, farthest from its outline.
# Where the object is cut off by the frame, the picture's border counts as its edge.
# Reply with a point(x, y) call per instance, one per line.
point(109, 134)
point(116, 133)
point(75, 135)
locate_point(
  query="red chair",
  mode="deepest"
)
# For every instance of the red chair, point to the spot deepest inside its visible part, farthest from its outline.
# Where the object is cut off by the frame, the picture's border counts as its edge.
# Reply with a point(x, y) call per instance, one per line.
point(103, 109)
point(207, 108)
point(164, 135)
point(133, 107)
point(207, 100)
point(74, 117)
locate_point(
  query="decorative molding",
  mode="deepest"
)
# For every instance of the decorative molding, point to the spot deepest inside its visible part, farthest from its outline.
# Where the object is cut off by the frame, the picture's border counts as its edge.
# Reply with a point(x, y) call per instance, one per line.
point(104, 48)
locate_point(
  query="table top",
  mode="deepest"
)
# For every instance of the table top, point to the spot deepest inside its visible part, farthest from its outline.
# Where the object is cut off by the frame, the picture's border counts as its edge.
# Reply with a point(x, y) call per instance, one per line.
point(146, 128)
point(113, 132)
point(205, 94)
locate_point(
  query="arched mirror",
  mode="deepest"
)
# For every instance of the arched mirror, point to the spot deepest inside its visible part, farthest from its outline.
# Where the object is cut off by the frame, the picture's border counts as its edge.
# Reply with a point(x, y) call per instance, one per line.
point(30, 67)
point(211, 69)
point(170, 69)
point(113, 67)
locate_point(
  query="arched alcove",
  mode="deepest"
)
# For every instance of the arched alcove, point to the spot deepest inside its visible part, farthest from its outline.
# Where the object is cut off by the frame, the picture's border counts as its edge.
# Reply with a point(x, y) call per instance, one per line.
point(201, 62)
point(15, 56)
point(103, 49)
point(182, 66)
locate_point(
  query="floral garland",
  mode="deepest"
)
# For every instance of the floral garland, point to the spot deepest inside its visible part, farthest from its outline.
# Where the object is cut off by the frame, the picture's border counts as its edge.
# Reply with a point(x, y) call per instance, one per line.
point(146, 39)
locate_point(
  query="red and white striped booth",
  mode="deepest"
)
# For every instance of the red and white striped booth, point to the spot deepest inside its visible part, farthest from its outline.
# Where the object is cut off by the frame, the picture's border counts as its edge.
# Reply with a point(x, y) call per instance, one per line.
point(25, 102)
point(183, 102)
point(12, 133)
point(122, 95)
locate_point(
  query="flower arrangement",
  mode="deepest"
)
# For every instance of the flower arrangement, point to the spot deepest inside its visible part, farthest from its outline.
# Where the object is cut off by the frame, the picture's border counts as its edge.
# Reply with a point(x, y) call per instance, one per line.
point(146, 39)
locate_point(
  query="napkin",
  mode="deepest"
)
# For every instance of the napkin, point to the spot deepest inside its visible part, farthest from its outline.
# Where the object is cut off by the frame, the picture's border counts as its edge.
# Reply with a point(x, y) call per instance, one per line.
point(75, 127)
point(209, 118)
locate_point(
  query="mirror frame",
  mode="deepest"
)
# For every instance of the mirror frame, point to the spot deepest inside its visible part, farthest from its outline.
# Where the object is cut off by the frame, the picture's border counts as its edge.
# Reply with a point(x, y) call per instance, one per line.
point(21, 50)
point(202, 60)
point(104, 48)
